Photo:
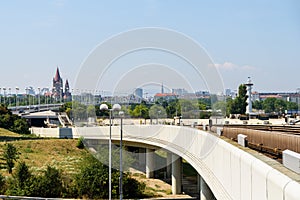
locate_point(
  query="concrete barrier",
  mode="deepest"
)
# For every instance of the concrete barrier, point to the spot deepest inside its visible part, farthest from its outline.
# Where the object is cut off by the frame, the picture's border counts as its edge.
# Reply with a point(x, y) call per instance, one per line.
point(291, 160)
point(242, 140)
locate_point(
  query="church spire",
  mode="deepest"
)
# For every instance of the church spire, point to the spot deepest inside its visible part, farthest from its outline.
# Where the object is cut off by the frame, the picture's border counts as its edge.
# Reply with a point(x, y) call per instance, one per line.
point(162, 88)
point(57, 75)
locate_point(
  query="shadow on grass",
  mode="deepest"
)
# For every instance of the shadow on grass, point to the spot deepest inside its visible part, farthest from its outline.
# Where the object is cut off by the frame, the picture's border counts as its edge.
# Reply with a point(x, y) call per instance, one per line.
point(16, 138)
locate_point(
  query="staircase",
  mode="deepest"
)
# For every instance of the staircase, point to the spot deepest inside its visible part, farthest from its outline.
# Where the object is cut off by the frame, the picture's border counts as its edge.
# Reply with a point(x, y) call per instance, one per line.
point(64, 120)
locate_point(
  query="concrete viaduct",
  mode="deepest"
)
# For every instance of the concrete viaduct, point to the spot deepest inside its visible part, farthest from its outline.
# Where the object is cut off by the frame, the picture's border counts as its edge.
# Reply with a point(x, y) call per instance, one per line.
point(225, 170)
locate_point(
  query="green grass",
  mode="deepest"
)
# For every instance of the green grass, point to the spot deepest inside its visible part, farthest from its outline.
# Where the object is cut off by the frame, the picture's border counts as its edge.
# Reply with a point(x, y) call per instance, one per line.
point(39, 153)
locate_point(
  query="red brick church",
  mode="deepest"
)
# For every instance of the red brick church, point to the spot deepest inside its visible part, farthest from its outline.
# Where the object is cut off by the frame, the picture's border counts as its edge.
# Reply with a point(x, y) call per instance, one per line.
point(58, 91)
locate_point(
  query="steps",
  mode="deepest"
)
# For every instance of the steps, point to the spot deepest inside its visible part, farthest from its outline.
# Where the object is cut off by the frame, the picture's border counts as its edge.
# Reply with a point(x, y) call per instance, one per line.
point(64, 120)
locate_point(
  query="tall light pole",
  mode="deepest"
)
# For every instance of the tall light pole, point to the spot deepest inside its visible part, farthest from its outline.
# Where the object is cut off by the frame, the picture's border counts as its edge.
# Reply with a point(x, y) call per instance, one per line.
point(116, 107)
point(39, 89)
point(48, 93)
point(9, 96)
point(27, 93)
point(121, 113)
point(4, 93)
point(17, 103)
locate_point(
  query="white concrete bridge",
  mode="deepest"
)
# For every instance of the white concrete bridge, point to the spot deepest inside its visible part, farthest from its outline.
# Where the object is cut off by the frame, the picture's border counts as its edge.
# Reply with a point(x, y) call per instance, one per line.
point(228, 170)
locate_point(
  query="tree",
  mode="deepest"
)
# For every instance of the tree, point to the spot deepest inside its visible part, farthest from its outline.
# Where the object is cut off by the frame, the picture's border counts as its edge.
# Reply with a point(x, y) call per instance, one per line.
point(189, 108)
point(269, 105)
point(280, 105)
point(51, 184)
point(239, 104)
point(20, 126)
point(173, 108)
point(140, 111)
point(21, 182)
point(257, 105)
point(291, 106)
point(10, 155)
point(220, 106)
point(12, 122)
point(92, 182)
point(157, 111)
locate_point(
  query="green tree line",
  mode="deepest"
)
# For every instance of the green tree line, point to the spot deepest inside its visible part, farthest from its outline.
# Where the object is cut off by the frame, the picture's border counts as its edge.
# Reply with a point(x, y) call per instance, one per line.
point(12, 122)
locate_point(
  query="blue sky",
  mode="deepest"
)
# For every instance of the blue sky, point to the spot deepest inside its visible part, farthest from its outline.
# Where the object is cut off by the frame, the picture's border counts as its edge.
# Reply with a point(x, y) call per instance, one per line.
point(256, 38)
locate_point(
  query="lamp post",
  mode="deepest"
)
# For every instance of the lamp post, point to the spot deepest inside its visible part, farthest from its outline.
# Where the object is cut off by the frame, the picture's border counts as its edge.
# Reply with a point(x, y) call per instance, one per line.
point(46, 97)
point(17, 103)
point(121, 113)
point(4, 95)
point(115, 107)
point(9, 96)
point(39, 89)
point(27, 92)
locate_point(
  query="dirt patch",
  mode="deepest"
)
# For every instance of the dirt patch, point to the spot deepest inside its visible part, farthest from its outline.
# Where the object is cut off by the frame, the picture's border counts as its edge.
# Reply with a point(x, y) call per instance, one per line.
point(155, 187)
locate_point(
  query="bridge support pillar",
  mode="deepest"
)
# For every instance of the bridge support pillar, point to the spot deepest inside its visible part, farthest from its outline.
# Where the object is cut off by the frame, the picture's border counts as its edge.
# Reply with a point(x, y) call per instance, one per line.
point(169, 164)
point(205, 192)
point(149, 163)
point(142, 159)
point(176, 174)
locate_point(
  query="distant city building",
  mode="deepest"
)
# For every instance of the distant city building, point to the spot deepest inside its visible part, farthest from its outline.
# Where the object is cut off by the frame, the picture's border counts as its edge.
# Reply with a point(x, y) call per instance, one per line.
point(179, 91)
point(228, 92)
point(57, 88)
point(45, 91)
point(202, 94)
point(30, 91)
point(138, 92)
point(165, 96)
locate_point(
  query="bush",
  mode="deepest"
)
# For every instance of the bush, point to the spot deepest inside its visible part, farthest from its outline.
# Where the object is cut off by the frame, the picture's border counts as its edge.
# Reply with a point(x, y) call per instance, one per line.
point(20, 126)
point(80, 144)
point(2, 184)
point(92, 182)
point(25, 184)
point(10, 155)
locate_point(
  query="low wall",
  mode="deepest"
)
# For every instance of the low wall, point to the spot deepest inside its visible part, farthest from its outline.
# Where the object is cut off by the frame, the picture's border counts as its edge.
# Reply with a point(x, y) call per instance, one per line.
point(53, 132)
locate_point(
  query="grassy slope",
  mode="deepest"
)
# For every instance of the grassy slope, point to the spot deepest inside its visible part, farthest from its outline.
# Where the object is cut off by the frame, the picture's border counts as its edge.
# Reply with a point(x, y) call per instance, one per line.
point(38, 153)
point(63, 154)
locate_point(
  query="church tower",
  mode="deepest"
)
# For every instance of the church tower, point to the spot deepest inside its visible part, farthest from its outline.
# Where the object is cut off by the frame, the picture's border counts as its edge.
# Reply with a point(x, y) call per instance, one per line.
point(57, 87)
point(67, 94)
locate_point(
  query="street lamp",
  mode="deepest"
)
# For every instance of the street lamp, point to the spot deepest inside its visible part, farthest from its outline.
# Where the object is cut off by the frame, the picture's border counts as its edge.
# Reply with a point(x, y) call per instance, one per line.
point(17, 91)
point(9, 95)
point(39, 89)
point(121, 114)
point(116, 107)
point(46, 96)
point(27, 92)
point(4, 95)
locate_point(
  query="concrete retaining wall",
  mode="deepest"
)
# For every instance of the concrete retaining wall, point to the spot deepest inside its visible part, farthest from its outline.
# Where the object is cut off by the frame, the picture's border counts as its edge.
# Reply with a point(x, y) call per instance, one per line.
point(53, 132)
